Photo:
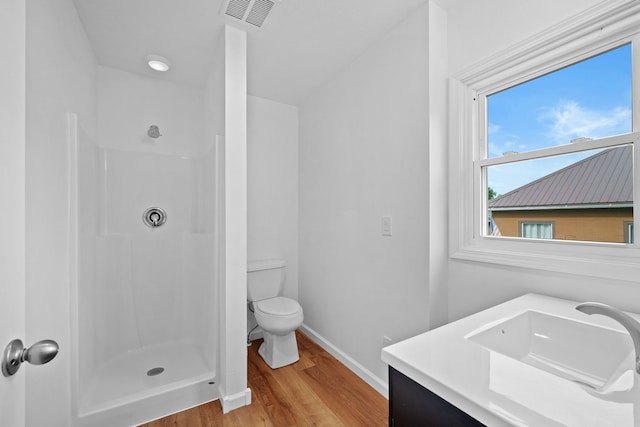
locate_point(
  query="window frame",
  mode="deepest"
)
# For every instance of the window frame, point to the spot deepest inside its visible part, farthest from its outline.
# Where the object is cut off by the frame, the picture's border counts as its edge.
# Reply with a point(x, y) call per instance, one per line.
point(594, 31)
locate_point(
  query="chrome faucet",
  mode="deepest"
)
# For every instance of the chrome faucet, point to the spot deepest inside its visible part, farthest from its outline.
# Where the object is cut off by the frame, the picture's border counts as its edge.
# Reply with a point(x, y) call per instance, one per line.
point(632, 325)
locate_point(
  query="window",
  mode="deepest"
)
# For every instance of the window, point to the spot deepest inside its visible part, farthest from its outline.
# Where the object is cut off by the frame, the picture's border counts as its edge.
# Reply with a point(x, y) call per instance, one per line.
point(536, 230)
point(588, 193)
point(628, 231)
point(567, 72)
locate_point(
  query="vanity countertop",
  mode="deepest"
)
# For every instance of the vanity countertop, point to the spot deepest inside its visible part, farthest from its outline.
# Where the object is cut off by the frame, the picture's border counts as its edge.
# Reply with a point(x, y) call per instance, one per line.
point(499, 390)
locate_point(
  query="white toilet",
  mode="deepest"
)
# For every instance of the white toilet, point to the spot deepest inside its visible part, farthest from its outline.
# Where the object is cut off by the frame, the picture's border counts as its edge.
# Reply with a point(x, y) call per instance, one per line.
point(278, 316)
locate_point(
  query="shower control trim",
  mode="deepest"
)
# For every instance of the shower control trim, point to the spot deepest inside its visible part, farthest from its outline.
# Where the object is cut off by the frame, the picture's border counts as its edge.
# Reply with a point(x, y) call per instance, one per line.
point(154, 217)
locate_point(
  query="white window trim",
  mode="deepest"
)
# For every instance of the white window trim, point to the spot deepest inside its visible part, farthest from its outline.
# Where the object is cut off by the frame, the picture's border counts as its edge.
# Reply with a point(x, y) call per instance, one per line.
point(593, 31)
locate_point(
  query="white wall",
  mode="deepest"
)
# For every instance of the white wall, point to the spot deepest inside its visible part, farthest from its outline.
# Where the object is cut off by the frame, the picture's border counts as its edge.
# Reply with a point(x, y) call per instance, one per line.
point(272, 185)
point(364, 153)
point(480, 29)
point(61, 76)
point(477, 30)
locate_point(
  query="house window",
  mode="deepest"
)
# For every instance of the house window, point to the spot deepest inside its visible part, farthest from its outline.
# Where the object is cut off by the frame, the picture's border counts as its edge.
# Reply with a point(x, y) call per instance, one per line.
point(539, 153)
point(545, 133)
point(628, 231)
point(536, 230)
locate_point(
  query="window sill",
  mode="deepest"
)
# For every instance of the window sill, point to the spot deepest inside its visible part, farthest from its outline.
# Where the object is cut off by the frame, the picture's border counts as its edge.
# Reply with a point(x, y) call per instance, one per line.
point(606, 261)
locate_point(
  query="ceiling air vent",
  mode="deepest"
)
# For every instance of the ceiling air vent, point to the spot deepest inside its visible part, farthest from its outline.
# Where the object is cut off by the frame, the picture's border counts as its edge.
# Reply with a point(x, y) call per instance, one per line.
point(252, 12)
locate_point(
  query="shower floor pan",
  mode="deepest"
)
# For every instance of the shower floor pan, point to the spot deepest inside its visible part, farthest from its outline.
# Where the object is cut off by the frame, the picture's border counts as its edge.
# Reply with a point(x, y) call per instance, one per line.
point(144, 374)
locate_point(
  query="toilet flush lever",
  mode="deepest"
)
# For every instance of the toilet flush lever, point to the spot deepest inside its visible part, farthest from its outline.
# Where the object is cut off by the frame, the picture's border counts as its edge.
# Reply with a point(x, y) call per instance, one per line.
point(38, 354)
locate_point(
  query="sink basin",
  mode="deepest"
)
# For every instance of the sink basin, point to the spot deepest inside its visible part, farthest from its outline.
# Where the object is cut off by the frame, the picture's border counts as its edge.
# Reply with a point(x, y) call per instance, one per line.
point(588, 354)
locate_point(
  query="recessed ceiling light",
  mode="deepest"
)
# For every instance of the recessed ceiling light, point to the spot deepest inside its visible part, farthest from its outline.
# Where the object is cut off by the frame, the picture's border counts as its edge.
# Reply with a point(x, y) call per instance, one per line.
point(158, 63)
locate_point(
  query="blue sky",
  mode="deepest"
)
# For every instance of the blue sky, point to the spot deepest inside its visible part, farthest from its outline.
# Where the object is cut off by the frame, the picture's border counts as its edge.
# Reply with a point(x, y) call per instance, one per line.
point(589, 99)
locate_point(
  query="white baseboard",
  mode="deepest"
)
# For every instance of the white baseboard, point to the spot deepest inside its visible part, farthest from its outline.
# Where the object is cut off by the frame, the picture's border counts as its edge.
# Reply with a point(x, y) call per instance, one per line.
point(235, 401)
point(367, 376)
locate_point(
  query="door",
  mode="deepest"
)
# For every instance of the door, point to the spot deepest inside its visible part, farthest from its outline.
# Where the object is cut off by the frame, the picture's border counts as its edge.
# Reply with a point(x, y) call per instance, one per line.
point(12, 202)
point(22, 391)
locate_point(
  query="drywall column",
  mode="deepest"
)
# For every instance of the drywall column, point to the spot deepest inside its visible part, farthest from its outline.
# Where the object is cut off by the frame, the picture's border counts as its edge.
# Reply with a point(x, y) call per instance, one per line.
point(438, 146)
point(233, 351)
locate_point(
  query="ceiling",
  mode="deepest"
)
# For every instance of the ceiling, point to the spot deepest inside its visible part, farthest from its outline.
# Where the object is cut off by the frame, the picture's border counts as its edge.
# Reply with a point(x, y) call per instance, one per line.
point(301, 45)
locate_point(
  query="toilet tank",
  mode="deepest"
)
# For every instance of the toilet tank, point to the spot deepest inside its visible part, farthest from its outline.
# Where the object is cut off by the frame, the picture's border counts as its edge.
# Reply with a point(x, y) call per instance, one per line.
point(265, 278)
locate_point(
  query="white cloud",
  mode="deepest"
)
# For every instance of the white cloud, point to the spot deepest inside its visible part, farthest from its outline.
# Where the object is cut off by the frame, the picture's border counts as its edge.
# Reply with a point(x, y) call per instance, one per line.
point(493, 128)
point(510, 143)
point(569, 120)
point(499, 142)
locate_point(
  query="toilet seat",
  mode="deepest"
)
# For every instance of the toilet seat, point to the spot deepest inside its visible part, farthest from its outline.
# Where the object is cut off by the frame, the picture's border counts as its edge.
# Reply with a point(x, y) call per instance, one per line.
point(278, 315)
point(277, 307)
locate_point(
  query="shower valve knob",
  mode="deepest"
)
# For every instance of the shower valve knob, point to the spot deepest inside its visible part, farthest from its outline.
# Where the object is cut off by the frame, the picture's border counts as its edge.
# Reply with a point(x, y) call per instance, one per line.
point(38, 354)
point(154, 217)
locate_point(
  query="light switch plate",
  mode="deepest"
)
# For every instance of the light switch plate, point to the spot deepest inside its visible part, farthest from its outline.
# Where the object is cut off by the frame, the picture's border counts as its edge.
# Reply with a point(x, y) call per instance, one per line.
point(387, 228)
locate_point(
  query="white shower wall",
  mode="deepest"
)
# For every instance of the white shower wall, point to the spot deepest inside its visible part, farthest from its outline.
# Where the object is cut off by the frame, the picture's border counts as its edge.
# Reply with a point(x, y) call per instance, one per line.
point(160, 279)
point(152, 290)
point(128, 104)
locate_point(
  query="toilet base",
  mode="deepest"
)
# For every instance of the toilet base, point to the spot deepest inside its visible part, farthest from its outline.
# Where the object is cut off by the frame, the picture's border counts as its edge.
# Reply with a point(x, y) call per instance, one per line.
point(279, 350)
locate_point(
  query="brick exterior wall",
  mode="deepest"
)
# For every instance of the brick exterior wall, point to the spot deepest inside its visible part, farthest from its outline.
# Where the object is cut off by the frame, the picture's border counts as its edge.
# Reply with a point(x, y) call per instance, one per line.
point(594, 225)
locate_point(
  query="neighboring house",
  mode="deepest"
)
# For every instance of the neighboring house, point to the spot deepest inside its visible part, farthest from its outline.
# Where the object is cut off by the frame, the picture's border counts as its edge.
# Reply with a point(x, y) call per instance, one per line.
point(590, 200)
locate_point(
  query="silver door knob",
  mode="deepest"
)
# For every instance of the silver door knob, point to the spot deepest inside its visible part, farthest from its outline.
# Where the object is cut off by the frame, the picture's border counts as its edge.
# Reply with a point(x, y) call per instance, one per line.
point(38, 354)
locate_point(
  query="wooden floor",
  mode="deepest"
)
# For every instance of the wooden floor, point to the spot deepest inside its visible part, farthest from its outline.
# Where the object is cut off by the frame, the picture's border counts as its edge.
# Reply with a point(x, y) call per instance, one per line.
point(315, 391)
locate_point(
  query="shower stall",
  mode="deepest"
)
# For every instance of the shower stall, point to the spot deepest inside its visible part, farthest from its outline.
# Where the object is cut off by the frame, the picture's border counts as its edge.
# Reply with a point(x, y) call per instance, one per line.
point(146, 282)
point(145, 253)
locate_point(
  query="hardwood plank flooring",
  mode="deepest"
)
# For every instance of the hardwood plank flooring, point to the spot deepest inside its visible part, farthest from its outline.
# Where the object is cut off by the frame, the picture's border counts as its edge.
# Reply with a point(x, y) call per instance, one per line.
point(315, 391)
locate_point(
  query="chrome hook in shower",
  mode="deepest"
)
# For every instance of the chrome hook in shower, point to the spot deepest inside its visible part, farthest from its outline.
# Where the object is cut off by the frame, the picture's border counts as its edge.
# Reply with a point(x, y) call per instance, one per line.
point(154, 217)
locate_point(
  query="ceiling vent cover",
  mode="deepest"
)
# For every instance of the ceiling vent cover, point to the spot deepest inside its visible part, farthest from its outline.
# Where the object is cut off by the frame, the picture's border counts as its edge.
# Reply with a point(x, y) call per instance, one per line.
point(252, 12)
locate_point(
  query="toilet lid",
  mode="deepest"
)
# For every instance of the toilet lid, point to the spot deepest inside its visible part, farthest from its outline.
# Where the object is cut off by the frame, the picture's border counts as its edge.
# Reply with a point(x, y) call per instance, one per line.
point(278, 306)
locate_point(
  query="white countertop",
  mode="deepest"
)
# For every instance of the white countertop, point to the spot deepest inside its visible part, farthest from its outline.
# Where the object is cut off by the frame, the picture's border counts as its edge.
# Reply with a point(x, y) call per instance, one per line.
point(501, 391)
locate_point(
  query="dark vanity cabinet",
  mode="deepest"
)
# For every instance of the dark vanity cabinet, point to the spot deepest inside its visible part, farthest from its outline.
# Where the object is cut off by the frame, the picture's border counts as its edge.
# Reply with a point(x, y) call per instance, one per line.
point(412, 405)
